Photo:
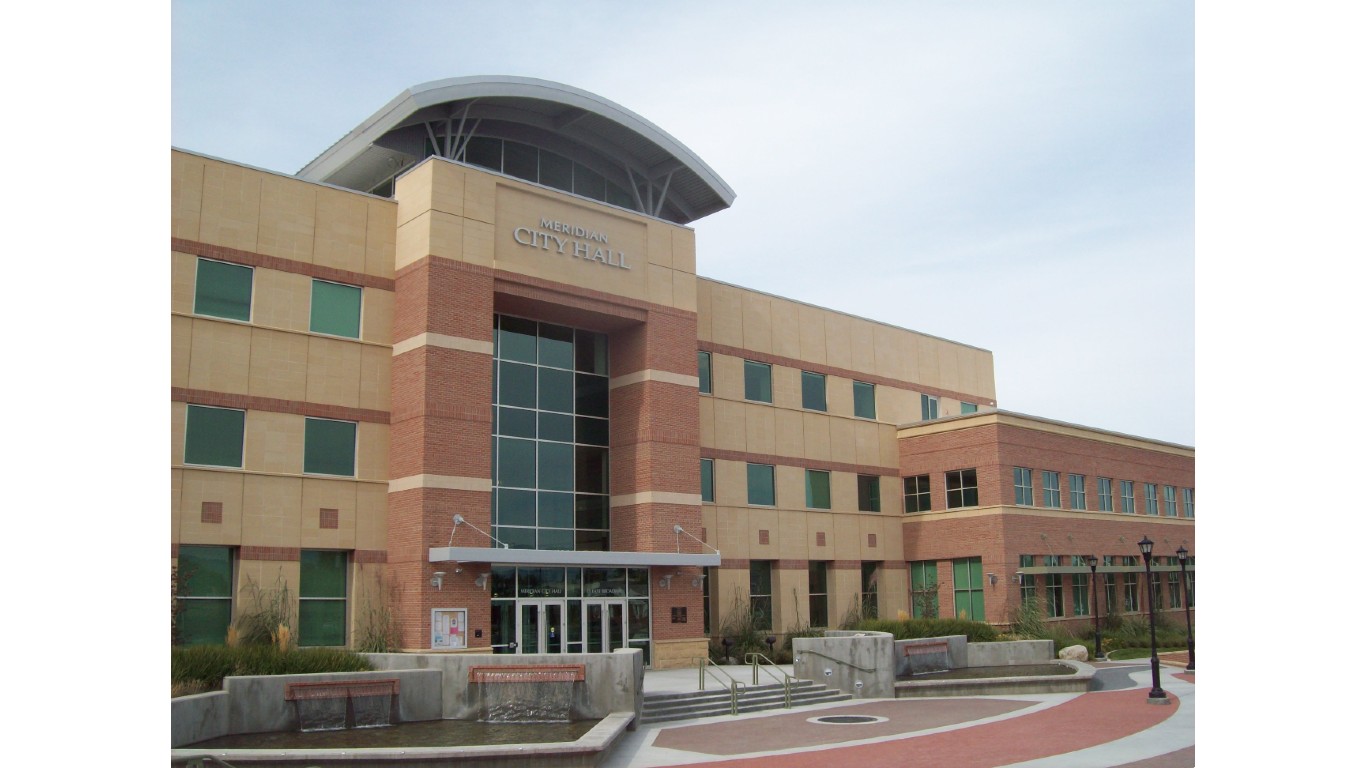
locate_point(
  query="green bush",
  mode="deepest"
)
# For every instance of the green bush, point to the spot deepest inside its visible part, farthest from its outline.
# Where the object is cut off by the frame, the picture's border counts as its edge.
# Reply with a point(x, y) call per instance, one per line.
point(905, 629)
point(209, 664)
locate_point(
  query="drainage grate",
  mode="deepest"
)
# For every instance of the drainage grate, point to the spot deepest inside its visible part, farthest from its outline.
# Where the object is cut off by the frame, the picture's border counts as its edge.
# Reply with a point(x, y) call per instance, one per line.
point(847, 720)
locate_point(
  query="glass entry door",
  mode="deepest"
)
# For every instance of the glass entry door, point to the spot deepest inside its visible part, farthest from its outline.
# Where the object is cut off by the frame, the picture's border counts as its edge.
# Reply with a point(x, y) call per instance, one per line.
point(540, 626)
point(605, 625)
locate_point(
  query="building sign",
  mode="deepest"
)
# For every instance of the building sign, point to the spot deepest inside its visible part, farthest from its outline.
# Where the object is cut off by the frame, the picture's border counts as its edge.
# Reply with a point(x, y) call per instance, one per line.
point(571, 241)
point(448, 628)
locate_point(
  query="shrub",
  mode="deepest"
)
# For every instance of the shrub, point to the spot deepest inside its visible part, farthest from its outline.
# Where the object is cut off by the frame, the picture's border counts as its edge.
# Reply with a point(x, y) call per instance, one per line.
point(268, 617)
point(977, 631)
point(377, 626)
point(207, 665)
point(741, 625)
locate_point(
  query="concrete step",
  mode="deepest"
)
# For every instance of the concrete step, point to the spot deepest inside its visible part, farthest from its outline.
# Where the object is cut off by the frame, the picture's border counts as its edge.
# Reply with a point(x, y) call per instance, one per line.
point(668, 707)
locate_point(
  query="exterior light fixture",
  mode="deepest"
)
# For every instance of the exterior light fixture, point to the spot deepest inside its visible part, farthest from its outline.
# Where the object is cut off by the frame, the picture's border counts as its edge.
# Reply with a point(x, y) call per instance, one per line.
point(1181, 555)
point(1092, 561)
point(1156, 695)
point(437, 578)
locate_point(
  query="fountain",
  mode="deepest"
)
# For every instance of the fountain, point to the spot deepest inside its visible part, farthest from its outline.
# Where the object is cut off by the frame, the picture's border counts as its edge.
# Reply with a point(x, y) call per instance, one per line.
point(526, 693)
point(337, 705)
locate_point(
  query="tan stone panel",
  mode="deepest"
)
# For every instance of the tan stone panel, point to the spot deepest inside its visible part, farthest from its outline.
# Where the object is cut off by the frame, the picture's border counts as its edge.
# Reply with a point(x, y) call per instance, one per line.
point(733, 526)
point(372, 451)
point(279, 364)
point(811, 332)
point(845, 540)
point(660, 245)
point(787, 387)
point(886, 439)
point(372, 509)
point(339, 240)
point(791, 537)
point(790, 487)
point(187, 193)
point(413, 241)
point(273, 442)
point(661, 284)
point(413, 194)
point(281, 299)
point(731, 483)
point(786, 333)
point(727, 377)
point(199, 486)
point(757, 322)
point(178, 433)
point(843, 492)
point(481, 191)
point(727, 326)
point(288, 211)
point(333, 372)
point(891, 542)
point(380, 226)
point(704, 290)
point(184, 270)
point(220, 356)
point(866, 526)
point(258, 580)
point(181, 333)
point(927, 355)
point(375, 363)
point(889, 349)
point(706, 412)
point(684, 250)
point(950, 407)
point(271, 510)
point(819, 522)
point(843, 442)
point(867, 448)
point(976, 367)
point(948, 368)
point(730, 433)
point(816, 434)
point(760, 430)
point(838, 340)
point(839, 395)
point(177, 485)
point(478, 245)
point(897, 406)
point(788, 439)
point(862, 347)
point(377, 315)
point(329, 494)
point(231, 206)
point(685, 290)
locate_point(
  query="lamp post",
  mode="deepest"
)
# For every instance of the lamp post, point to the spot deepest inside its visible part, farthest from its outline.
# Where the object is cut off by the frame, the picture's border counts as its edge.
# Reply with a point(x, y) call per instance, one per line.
point(1092, 561)
point(1181, 555)
point(1156, 695)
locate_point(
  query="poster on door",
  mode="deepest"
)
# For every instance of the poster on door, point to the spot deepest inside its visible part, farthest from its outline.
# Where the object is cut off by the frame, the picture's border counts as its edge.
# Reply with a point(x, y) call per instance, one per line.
point(448, 628)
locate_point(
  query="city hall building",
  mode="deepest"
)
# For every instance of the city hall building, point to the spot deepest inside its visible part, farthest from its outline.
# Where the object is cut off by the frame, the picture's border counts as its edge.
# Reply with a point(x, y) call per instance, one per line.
point(460, 370)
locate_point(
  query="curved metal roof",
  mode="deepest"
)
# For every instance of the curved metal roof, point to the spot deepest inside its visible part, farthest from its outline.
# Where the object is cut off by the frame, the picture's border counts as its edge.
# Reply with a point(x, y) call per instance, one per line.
point(664, 177)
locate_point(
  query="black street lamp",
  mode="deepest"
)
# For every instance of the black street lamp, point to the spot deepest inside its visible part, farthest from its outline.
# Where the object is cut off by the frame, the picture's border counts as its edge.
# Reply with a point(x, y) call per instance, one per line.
point(1181, 555)
point(1156, 695)
point(1092, 560)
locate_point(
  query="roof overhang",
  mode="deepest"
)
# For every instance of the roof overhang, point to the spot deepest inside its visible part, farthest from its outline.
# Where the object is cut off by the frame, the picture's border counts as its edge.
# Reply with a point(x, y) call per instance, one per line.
point(500, 556)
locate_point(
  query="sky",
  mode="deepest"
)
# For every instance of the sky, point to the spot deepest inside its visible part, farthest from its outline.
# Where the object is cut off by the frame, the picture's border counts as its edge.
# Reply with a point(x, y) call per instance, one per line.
point(1014, 176)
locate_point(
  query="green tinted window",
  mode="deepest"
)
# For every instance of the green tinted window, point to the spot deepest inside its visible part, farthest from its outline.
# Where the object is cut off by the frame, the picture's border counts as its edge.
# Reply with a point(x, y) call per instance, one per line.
point(968, 599)
point(704, 372)
point(865, 402)
point(967, 407)
point(869, 493)
point(708, 492)
point(817, 489)
point(758, 382)
point(322, 597)
point(760, 478)
point(330, 447)
point(813, 391)
point(335, 309)
point(214, 436)
point(222, 290)
point(204, 589)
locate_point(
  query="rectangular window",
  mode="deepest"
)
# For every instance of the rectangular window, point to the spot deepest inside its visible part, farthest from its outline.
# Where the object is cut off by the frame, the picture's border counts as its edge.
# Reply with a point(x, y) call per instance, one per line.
point(1174, 588)
point(1155, 588)
point(704, 372)
point(817, 489)
point(1081, 593)
point(1076, 486)
point(961, 485)
point(925, 589)
point(968, 602)
point(335, 309)
point(1024, 487)
point(1131, 602)
point(1169, 498)
point(760, 484)
point(1188, 501)
point(813, 391)
point(222, 290)
point(1126, 496)
point(761, 593)
point(1109, 580)
point(203, 595)
point(708, 491)
point(819, 600)
point(1027, 587)
point(213, 436)
point(322, 597)
point(967, 407)
point(1105, 494)
point(330, 447)
point(1052, 493)
point(1052, 587)
point(869, 493)
point(917, 493)
point(1150, 498)
point(868, 590)
point(929, 407)
point(758, 382)
point(865, 400)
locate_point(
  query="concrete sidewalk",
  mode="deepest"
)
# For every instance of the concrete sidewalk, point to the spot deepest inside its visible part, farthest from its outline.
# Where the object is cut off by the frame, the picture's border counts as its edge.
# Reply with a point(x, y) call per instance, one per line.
point(1098, 729)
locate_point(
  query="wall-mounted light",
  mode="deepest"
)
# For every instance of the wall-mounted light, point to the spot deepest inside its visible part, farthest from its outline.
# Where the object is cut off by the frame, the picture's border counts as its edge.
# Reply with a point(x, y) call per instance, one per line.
point(697, 582)
point(437, 578)
point(991, 577)
point(481, 581)
point(666, 581)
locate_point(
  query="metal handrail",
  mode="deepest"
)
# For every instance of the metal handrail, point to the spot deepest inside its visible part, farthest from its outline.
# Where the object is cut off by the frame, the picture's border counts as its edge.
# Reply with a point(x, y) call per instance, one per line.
point(722, 677)
point(200, 761)
point(841, 661)
point(752, 659)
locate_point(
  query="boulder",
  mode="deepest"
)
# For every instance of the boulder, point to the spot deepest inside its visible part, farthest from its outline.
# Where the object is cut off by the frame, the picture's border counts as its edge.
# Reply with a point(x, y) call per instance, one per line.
point(1073, 653)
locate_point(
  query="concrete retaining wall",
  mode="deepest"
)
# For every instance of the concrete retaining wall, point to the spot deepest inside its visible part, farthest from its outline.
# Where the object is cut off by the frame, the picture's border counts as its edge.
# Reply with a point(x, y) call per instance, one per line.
point(1008, 653)
point(955, 657)
point(858, 663)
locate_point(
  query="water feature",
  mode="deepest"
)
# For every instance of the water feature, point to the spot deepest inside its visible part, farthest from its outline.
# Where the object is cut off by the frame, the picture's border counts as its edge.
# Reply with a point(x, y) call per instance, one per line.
point(526, 694)
point(336, 706)
point(978, 673)
point(429, 733)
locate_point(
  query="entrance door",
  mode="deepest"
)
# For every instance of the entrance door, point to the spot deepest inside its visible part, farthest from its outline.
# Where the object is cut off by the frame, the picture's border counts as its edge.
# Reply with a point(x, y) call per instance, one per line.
point(540, 626)
point(604, 625)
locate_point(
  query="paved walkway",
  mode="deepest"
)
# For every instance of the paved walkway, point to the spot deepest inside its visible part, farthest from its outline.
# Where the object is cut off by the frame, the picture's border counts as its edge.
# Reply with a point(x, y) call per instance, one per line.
point(1109, 728)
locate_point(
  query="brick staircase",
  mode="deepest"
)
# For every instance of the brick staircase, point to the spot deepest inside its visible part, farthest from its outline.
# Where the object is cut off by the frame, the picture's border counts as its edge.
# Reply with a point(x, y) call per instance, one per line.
point(666, 707)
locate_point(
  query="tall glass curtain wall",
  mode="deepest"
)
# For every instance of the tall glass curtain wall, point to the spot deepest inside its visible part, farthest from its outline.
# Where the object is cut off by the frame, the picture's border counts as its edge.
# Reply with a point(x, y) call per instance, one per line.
point(570, 610)
point(549, 436)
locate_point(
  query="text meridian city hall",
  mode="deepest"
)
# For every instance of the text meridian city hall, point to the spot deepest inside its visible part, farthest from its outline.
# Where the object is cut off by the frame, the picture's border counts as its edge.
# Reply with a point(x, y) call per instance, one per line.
point(570, 240)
